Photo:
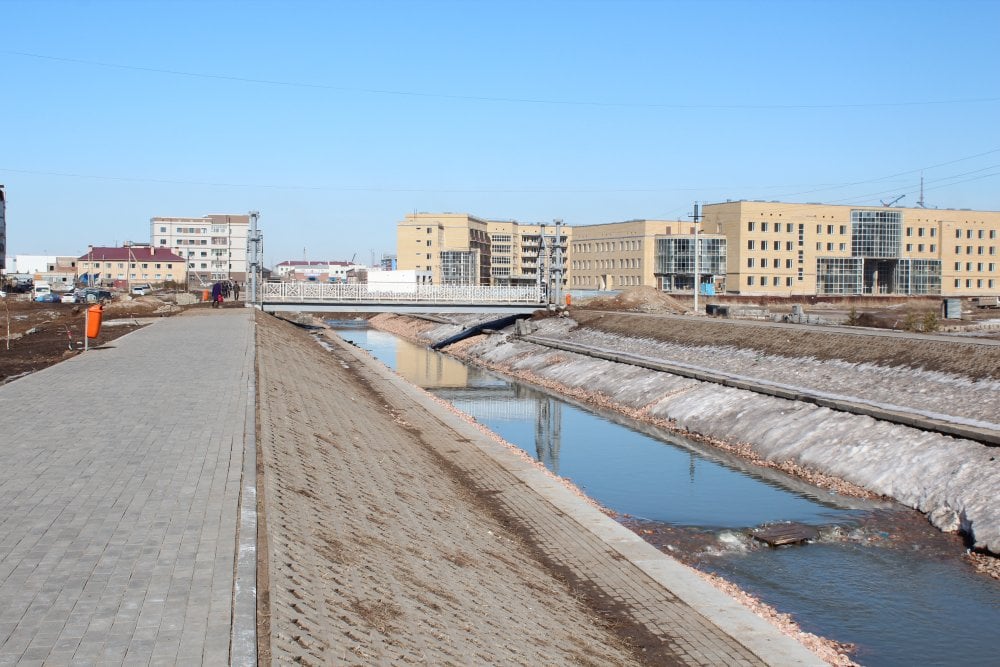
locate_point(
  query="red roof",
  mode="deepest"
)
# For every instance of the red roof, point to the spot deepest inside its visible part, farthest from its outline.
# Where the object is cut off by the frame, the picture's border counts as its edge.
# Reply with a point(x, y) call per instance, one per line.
point(130, 254)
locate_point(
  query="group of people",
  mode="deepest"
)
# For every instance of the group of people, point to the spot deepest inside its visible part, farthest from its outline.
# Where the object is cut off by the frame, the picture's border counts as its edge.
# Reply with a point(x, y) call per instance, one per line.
point(223, 290)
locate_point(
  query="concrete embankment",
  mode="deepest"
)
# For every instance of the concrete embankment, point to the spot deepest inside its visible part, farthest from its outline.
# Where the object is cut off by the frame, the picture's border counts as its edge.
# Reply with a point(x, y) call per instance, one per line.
point(952, 480)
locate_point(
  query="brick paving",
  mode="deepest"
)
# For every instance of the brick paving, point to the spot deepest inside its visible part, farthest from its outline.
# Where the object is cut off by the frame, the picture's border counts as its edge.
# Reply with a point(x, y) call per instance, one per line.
point(120, 485)
point(397, 532)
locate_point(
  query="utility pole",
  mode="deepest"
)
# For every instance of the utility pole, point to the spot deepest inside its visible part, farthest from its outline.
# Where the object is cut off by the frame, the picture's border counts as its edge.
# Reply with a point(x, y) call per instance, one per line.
point(254, 255)
point(540, 264)
point(697, 275)
point(557, 267)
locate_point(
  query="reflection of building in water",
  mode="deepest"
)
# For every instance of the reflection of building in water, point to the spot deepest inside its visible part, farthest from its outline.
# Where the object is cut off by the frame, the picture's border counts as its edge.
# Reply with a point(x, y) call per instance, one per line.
point(515, 403)
point(548, 432)
point(430, 370)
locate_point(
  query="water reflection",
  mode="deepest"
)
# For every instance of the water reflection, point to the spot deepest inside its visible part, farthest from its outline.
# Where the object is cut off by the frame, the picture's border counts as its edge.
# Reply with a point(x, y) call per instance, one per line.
point(509, 404)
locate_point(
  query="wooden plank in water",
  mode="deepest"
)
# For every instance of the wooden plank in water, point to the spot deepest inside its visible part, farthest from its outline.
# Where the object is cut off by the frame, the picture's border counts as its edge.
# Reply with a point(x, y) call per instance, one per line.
point(784, 533)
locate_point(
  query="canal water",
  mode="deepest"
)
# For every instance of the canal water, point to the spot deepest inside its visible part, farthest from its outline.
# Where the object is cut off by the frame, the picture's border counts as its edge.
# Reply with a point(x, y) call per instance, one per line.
point(878, 576)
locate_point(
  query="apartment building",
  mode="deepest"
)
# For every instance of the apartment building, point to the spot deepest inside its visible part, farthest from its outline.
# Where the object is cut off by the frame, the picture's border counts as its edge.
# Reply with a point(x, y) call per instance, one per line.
point(526, 254)
point(121, 266)
point(214, 246)
point(779, 248)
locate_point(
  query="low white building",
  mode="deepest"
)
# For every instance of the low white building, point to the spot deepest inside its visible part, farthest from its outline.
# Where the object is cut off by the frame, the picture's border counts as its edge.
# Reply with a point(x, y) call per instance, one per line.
point(398, 282)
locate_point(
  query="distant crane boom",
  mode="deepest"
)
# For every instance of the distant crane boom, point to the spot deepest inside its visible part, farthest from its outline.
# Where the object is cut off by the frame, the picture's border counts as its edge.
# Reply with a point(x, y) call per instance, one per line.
point(884, 203)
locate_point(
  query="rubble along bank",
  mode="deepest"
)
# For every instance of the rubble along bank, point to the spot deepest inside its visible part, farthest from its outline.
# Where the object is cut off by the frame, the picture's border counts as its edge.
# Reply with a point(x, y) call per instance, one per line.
point(950, 480)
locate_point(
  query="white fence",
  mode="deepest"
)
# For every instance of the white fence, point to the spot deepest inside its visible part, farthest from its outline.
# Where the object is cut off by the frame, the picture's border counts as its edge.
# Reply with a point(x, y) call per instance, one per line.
point(315, 292)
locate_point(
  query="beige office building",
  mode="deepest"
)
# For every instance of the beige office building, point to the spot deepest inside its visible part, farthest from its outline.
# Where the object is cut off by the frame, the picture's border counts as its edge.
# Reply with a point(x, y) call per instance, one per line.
point(816, 249)
point(454, 247)
point(618, 255)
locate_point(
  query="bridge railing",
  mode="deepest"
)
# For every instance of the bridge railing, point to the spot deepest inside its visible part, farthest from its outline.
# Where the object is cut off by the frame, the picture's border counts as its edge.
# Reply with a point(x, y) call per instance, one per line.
point(300, 292)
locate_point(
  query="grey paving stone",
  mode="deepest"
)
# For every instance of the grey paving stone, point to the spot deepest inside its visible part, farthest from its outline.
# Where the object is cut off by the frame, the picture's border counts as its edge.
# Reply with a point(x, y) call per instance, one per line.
point(101, 541)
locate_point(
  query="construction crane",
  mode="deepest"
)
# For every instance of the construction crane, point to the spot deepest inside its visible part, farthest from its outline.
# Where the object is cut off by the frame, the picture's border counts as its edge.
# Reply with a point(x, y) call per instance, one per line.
point(887, 204)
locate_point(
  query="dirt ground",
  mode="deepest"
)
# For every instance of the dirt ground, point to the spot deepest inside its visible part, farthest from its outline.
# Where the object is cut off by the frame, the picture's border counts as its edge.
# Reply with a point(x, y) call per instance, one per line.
point(36, 335)
point(961, 357)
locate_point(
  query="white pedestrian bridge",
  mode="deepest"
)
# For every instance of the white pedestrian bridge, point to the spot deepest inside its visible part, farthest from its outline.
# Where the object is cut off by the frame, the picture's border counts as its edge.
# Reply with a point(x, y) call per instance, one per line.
point(339, 297)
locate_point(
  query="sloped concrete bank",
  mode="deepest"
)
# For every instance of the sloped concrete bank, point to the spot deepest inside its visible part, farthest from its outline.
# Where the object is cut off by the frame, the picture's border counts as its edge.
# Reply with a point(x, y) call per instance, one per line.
point(951, 480)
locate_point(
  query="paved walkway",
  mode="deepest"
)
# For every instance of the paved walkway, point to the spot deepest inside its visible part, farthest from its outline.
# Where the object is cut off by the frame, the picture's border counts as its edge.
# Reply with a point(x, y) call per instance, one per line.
point(119, 487)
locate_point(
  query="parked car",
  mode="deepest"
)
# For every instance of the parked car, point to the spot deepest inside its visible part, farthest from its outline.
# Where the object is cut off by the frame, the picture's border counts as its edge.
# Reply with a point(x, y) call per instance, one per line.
point(68, 297)
point(50, 297)
point(91, 294)
point(142, 290)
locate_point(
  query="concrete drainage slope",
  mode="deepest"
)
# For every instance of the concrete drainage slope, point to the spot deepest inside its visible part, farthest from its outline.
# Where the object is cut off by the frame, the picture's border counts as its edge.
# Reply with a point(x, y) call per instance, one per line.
point(952, 480)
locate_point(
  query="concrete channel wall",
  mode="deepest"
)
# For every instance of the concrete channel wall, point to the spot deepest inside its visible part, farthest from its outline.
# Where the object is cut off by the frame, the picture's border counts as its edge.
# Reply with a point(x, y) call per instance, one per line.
point(952, 480)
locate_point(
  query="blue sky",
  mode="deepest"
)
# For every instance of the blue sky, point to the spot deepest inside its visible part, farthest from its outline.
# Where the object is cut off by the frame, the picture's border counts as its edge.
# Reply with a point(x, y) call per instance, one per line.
point(335, 119)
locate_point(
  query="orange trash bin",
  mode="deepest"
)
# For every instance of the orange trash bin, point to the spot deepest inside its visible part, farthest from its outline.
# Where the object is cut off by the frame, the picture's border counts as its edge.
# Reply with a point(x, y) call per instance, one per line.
point(94, 314)
point(569, 300)
point(205, 295)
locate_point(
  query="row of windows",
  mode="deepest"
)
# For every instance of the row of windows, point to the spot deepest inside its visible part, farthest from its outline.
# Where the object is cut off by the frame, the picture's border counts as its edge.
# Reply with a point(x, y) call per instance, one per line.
point(763, 263)
point(145, 276)
point(754, 244)
point(981, 233)
point(590, 281)
point(979, 250)
point(608, 246)
point(920, 247)
point(121, 265)
point(627, 263)
point(992, 267)
point(979, 283)
point(764, 226)
point(921, 231)
point(775, 280)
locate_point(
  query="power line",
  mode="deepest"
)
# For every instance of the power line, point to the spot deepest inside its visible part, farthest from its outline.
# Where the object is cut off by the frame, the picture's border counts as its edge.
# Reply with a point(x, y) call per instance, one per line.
point(499, 99)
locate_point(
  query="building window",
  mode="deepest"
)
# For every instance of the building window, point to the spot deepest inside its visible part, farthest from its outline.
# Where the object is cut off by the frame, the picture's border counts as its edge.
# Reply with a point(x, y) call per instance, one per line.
point(958, 250)
point(829, 247)
point(958, 283)
point(909, 231)
point(909, 247)
point(749, 280)
point(843, 247)
point(788, 246)
point(763, 262)
point(958, 233)
point(763, 226)
point(763, 245)
point(751, 244)
point(788, 263)
point(920, 247)
point(958, 266)
point(819, 229)
point(968, 233)
point(843, 229)
point(749, 262)
point(982, 233)
point(750, 226)
point(933, 247)
point(788, 281)
point(789, 228)
point(819, 245)
point(920, 231)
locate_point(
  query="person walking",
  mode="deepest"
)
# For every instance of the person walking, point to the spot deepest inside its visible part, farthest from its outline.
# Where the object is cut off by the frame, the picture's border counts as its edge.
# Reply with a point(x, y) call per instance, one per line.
point(236, 291)
point(216, 295)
